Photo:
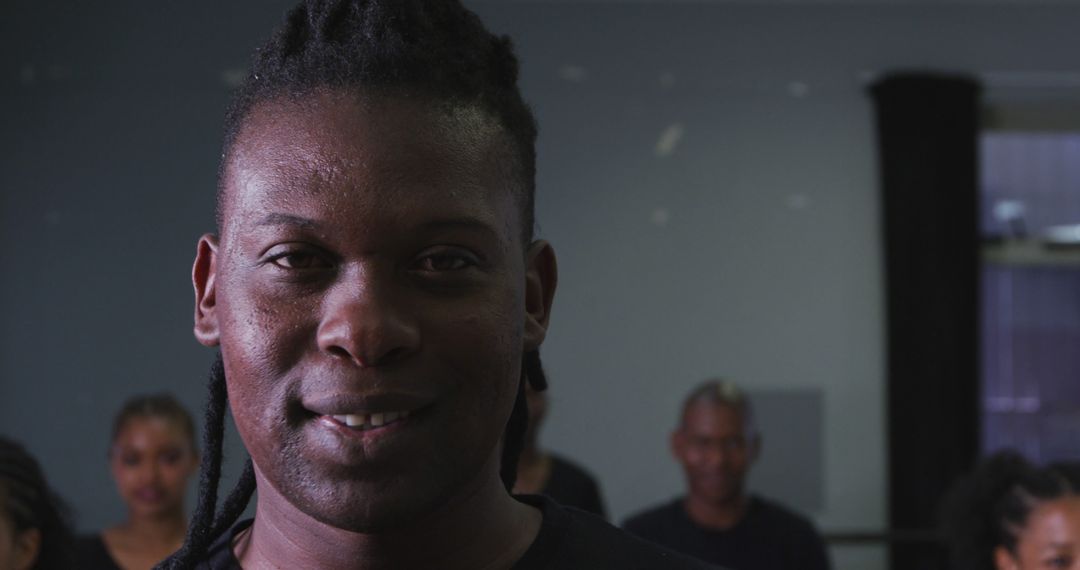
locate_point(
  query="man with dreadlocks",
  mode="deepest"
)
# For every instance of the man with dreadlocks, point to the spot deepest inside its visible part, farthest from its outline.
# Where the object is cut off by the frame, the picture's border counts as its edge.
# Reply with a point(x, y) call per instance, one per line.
point(379, 302)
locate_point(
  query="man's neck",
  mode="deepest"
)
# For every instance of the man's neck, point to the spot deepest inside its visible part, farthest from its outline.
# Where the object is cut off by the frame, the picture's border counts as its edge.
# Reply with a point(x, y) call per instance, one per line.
point(534, 470)
point(486, 530)
point(530, 455)
point(720, 515)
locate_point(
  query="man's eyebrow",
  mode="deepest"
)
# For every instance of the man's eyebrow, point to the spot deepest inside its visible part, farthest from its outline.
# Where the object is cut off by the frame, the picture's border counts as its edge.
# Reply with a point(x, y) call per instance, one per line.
point(279, 219)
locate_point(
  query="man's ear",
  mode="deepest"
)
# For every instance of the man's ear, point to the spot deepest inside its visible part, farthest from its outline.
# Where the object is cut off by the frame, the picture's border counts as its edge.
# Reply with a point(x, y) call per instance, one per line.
point(1004, 560)
point(541, 275)
point(755, 448)
point(678, 443)
point(27, 546)
point(203, 276)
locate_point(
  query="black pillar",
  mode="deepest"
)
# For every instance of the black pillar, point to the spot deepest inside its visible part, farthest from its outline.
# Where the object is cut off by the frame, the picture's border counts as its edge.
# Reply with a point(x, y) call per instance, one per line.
point(928, 149)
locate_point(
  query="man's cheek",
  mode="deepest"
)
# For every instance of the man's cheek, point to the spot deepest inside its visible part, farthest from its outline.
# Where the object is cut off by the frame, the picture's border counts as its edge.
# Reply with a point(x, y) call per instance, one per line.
point(264, 340)
point(252, 427)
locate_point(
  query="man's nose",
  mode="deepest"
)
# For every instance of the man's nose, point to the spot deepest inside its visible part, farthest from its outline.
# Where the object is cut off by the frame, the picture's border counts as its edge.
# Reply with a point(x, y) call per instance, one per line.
point(716, 456)
point(366, 321)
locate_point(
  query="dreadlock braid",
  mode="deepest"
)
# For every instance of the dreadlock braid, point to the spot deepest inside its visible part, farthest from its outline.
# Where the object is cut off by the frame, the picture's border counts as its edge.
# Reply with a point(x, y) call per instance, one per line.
point(199, 535)
point(237, 500)
point(534, 372)
point(514, 438)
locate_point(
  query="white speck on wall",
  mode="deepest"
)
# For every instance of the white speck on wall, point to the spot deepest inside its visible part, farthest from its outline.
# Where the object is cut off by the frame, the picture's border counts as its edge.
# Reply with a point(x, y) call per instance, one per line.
point(660, 217)
point(28, 74)
point(798, 89)
point(573, 73)
point(798, 201)
point(232, 78)
point(667, 80)
point(669, 139)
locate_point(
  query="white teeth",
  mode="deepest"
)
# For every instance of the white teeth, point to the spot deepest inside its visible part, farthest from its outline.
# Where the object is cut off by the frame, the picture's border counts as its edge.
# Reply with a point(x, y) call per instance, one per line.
point(375, 420)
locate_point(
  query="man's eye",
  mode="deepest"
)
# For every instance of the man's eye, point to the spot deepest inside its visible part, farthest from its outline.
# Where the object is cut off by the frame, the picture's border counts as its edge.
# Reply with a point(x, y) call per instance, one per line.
point(445, 262)
point(299, 260)
point(732, 443)
point(1063, 561)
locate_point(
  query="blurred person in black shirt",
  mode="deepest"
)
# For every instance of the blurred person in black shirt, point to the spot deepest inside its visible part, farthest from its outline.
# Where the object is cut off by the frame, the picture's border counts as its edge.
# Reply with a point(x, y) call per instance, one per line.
point(717, 521)
point(152, 456)
point(546, 473)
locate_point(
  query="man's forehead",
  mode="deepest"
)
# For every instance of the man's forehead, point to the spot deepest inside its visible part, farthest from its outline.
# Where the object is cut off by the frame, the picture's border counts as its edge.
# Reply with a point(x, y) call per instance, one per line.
point(713, 413)
point(279, 173)
point(287, 142)
point(318, 140)
point(298, 153)
point(344, 115)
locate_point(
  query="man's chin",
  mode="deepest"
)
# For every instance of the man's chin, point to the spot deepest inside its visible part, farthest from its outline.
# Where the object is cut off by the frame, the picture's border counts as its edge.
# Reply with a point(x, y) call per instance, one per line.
point(363, 517)
point(719, 495)
point(365, 511)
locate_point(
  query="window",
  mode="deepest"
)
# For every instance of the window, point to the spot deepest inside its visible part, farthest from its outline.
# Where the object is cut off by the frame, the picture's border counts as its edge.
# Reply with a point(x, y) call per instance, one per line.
point(1030, 337)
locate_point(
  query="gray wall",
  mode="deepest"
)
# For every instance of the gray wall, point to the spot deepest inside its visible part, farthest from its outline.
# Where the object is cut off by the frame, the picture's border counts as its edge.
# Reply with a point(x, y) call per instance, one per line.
point(707, 176)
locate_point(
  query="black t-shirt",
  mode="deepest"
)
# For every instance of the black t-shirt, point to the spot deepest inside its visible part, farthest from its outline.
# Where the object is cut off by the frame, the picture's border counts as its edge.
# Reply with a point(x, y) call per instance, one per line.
point(572, 486)
point(769, 537)
point(569, 539)
point(91, 554)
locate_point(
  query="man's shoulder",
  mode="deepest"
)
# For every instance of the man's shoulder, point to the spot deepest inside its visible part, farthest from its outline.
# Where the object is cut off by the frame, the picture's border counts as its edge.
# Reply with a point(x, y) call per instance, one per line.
point(797, 532)
point(775, 515)
point(569, 538)
point(624, 550)
point(572, 538)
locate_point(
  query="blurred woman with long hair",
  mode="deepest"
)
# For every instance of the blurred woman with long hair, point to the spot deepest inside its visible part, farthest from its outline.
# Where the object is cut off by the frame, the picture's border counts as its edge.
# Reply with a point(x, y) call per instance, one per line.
point(152, 457)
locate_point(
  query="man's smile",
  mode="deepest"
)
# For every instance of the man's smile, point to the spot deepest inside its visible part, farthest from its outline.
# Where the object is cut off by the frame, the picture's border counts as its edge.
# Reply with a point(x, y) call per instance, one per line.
point(365, 422)
point(366, 417)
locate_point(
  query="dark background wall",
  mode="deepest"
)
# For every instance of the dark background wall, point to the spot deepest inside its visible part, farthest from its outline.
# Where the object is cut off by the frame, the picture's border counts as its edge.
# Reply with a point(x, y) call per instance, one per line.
point(707, 176)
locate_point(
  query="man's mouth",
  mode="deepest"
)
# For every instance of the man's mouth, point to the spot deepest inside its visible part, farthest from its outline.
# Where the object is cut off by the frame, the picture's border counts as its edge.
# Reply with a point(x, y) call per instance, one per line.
point(364, 422)
point(367, 417)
